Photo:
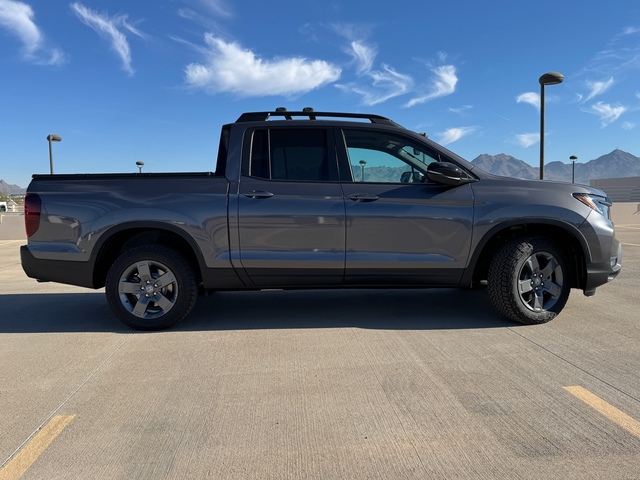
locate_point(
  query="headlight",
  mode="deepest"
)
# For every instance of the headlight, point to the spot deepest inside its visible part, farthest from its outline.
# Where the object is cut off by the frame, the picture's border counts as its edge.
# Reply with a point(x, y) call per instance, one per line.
point(602, 205)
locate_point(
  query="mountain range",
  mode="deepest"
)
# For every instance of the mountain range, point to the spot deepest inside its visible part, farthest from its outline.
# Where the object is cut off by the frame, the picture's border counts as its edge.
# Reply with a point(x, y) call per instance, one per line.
point(9, 189)
point(616, 164)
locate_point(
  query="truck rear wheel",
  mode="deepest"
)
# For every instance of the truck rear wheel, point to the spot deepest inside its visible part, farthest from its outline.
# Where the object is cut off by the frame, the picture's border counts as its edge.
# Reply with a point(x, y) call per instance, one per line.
point(151, 287)
point(529, 280)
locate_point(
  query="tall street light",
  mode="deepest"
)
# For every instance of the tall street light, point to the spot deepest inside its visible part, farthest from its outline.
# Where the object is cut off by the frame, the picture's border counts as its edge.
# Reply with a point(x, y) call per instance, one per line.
point(362, 164)
point(573, 159)
point(140, 164)
point(551, 78)
point(52, 138)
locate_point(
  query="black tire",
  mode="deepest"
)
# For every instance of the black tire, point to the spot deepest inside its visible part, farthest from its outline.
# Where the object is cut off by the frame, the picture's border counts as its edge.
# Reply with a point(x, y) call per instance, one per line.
point(529, 280)
point(151, 287)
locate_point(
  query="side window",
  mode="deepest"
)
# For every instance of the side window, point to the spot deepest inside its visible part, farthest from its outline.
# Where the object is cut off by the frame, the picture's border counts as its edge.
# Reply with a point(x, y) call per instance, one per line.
point(382, 157)
point(293, 154)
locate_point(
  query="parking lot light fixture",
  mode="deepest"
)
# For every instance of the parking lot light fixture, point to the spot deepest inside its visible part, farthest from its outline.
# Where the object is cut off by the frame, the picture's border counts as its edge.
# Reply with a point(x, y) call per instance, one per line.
point(52, 138)
point(551, 78)
point(140, 164)
point(573, 159)
point(362, 164)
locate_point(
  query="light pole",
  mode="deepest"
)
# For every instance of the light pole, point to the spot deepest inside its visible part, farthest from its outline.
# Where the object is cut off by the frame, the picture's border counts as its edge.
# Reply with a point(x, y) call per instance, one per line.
point(140, 164)
point(362, 164)
point(551, 78)
point(573, 159)
point(52, 138)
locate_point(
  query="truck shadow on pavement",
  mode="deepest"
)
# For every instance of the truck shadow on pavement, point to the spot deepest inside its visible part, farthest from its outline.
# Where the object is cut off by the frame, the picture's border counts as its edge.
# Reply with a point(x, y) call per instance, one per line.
point(430, 309)
point(387, 309)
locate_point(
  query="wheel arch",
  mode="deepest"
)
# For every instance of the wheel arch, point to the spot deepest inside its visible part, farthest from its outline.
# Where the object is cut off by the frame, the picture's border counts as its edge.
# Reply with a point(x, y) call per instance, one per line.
point(566, 235)
point(123, 237)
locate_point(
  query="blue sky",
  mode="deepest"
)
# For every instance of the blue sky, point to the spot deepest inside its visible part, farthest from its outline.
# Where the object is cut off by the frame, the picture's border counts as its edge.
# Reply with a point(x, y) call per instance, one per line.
point(153, 81)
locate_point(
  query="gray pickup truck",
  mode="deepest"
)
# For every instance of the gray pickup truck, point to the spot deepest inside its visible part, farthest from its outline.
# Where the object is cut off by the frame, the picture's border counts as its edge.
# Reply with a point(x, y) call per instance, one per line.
point(316, 200)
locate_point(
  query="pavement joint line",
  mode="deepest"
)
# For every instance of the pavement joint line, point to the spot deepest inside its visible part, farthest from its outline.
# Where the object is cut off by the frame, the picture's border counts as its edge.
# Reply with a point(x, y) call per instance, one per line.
point(612, 413)
point(575, 365)
point(58, 408)
point(35, 447)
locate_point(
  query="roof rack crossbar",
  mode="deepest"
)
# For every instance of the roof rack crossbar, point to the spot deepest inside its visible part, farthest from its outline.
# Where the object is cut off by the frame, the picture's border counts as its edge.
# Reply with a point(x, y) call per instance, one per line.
point(311, 115)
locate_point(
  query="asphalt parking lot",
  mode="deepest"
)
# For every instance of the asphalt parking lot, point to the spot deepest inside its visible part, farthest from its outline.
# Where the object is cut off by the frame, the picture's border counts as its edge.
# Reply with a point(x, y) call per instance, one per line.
point(319, 385)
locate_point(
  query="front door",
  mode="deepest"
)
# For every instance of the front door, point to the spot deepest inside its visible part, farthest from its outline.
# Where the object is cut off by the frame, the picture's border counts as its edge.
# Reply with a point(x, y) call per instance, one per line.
point(401, 230)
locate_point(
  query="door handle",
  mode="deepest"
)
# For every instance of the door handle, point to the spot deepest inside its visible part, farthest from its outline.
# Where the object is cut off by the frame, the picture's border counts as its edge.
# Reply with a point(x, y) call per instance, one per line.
point(363, 197)
point(258, 194)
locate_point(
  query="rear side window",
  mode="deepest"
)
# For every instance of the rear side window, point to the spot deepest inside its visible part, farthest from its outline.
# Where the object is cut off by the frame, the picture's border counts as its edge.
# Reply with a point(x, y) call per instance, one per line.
point(293, 154)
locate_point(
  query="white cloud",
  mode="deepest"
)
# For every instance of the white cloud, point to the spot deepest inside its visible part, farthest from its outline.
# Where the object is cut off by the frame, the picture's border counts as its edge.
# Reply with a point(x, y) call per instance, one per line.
point(608, 113)
point(385, 84)
point(531, 98)
point(351, 31)
point(629, 31)
point(230, 68)
point(526, 140)
point(363, 55)
point(628, 126)
point(206, 13)
point(444, 83)
point(454, 134)
point(109, 28)
point(621, 55)
point(18, 19)
point(217, 7)
point(598, 88)
point(461, 109)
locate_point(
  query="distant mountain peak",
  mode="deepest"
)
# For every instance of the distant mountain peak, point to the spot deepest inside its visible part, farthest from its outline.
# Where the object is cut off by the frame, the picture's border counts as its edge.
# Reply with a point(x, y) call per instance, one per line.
point(9, 189)
point(616, 164)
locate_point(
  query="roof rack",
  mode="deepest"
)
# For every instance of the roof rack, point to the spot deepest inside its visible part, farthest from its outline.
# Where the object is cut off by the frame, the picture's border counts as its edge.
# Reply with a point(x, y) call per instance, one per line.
point(309, 113)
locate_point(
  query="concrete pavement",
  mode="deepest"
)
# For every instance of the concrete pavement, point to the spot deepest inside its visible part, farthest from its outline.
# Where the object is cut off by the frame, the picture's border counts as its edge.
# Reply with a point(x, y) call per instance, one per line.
point(345, 384)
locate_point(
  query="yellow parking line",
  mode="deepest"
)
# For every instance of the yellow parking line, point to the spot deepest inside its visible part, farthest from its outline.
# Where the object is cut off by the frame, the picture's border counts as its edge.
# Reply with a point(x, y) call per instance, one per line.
point(612, 413)
point(19, 464)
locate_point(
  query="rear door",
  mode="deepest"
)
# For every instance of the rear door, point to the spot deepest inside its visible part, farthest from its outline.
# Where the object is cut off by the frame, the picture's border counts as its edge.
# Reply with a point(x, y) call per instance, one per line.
point(401, 229)
point(290, 208)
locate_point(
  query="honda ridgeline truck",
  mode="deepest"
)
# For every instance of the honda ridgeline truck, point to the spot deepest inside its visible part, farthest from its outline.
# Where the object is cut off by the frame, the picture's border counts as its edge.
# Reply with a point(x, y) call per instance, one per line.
point(314, 200)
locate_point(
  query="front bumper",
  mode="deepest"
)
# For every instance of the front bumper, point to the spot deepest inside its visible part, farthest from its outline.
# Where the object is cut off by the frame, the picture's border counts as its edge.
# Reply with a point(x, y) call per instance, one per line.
point(601, 273)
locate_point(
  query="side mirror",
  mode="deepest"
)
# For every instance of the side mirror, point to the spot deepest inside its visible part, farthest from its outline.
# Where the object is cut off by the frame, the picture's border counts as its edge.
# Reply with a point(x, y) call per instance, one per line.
point(445, 173)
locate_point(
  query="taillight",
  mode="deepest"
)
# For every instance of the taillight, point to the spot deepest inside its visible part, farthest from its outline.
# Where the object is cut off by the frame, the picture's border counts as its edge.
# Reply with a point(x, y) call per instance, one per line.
point(32, 206)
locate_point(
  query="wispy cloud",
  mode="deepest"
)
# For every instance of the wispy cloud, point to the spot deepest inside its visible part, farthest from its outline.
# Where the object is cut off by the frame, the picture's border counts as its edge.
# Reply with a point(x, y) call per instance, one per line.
point(363, 55)
point(462, 109)
point(17, 18)
point(206, 13)
point(230, 68)
point(598, 88)
point(621, 55)
point(217, 7)
point(443, 83)
point(454, 134)
point(112, 29)
point(628, 31)
point(531, 98)
point(608, 113)
point(527, 140)
point(628, 125)
point(385, 84)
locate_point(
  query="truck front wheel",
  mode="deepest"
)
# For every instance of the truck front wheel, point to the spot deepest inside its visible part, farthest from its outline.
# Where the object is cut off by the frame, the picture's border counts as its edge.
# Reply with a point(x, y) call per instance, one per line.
point(151, 287)
point(529, 280)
